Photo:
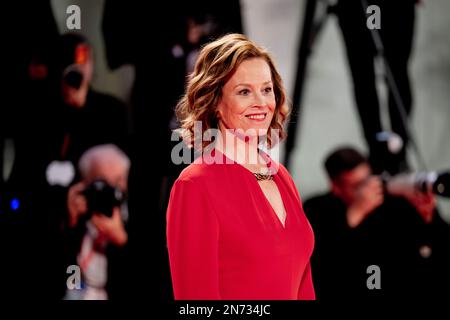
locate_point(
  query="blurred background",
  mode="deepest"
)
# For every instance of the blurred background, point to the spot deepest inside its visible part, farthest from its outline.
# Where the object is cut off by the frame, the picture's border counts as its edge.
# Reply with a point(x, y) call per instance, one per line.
point(139, 58)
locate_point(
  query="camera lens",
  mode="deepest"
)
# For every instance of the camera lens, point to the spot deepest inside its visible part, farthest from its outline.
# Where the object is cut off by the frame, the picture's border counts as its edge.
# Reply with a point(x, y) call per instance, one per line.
point(102, 198)
point(73, 79)
point(442, 185)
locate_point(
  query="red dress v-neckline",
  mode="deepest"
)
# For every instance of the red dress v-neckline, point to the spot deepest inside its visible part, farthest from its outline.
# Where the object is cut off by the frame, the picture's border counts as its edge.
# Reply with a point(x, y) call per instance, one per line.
point(271, 165)
point(266, 201)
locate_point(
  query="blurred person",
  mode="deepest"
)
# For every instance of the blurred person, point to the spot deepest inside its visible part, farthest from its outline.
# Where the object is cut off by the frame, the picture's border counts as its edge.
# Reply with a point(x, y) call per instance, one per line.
point(102, 225)
point(396, 32)
point(80, 116)
point(235, 226)
point(358, 225)
point(75, 119)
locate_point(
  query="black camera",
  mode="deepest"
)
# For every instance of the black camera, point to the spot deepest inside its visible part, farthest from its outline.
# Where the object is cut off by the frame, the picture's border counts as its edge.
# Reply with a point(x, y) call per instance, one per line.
point(72, 77)
point(422, 182)
point(102, 197)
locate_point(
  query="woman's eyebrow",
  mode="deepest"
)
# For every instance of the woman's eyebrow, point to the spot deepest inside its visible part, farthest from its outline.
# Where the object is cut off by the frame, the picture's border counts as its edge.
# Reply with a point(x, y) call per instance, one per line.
point(249, 85)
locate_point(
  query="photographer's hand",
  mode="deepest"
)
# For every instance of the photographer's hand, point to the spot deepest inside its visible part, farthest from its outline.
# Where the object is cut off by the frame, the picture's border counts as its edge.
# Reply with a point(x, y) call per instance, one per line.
point(76, 203)
point(111, 229)
point(368, 197)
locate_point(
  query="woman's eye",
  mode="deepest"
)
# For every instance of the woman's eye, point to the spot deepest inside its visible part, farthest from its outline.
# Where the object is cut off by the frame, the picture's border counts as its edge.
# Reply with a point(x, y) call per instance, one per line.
point(268, 90)
point(244, 92)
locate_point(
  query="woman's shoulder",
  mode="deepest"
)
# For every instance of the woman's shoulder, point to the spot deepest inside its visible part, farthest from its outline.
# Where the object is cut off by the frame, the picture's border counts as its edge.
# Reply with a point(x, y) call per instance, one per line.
point(194, 172)
point(204, 169)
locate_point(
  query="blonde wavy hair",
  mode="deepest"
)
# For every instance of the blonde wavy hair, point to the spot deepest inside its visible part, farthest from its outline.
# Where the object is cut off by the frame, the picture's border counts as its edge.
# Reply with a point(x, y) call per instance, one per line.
point(215, 64)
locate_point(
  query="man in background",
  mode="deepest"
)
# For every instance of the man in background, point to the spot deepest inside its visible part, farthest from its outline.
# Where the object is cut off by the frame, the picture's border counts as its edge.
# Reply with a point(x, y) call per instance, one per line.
point(357, 225)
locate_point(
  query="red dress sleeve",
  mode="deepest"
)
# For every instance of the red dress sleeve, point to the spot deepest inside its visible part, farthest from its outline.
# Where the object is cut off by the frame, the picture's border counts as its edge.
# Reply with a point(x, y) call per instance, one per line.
point(306, 290)
point(192, 240)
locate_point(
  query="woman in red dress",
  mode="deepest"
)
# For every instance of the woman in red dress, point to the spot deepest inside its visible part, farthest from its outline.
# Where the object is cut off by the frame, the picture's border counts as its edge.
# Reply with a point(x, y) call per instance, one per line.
point(235, 224)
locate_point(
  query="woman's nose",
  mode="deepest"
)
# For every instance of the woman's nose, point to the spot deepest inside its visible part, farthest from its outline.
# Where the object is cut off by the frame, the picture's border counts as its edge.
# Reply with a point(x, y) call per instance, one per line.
point(259, 100)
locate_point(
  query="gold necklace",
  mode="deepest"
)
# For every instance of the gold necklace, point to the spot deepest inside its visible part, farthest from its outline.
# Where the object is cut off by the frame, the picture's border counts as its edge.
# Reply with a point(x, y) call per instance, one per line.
point(262, 176)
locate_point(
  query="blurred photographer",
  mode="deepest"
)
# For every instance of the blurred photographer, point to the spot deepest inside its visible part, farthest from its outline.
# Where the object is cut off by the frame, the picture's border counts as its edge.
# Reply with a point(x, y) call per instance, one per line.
point(359, 224)
point(74, 118)
point(96, 205)
point(80, 117)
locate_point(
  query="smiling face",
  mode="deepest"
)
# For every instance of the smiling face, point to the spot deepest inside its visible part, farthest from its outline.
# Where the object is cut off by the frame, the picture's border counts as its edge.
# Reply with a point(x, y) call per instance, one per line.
point(248, 99)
